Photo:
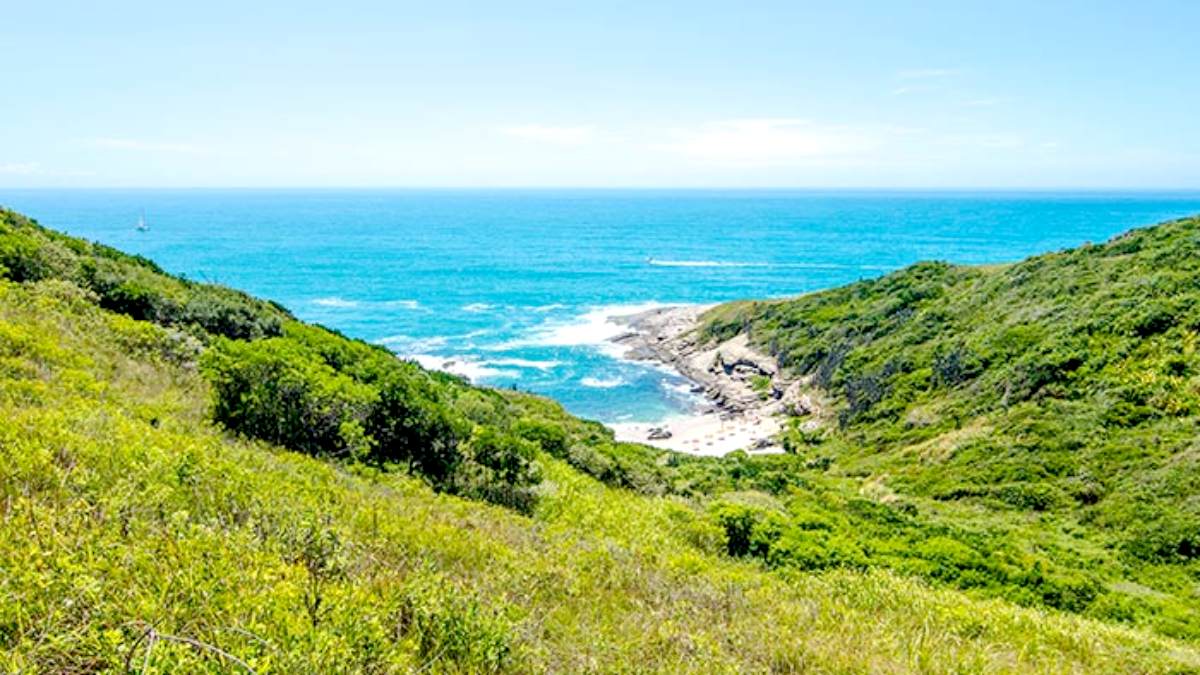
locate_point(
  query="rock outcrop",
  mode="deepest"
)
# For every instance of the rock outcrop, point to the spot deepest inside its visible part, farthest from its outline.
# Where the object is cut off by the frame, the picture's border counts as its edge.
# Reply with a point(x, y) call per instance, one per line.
point(735, 378)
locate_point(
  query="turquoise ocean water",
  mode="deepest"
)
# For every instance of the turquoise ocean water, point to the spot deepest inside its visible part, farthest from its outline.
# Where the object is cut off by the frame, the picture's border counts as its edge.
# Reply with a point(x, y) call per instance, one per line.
point(514, 287)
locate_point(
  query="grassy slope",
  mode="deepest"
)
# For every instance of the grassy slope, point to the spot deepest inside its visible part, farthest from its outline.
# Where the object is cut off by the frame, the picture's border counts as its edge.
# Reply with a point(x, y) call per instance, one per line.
point(129, 521)
point(1043, 409)
point(123, 509)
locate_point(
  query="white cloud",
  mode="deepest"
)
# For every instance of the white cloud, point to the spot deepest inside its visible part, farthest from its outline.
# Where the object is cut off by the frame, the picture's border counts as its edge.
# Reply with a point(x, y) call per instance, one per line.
point(20, 168)
point(147, 146)
point(556, 135)
point(770, 142)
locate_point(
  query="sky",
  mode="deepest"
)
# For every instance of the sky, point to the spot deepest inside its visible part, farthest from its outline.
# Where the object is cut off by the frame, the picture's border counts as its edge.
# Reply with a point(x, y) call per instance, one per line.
point(960, 94)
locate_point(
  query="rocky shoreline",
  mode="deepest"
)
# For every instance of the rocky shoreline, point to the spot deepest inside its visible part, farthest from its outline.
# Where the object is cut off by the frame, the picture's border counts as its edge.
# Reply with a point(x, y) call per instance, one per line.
point(748, 397)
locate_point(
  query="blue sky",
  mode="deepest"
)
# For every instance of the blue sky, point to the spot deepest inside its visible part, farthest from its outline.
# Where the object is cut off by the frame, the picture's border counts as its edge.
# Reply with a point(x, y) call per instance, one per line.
point(865, 94)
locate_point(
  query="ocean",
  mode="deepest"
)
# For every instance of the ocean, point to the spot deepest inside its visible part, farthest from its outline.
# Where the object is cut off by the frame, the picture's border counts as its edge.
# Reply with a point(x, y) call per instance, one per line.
point(514, 288)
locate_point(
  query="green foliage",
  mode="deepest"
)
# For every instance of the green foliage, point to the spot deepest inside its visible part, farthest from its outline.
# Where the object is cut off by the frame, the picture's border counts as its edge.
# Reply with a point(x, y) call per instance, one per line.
point(131, 285)
point(319, 393)
point(272, 389)
point(550, 437)
point(1048, 466)
point(739, 523)
point(137, 536)
point(501, 468)
point(446, 626)
point(133, 530)
point(1041, 414)
point(761, 385)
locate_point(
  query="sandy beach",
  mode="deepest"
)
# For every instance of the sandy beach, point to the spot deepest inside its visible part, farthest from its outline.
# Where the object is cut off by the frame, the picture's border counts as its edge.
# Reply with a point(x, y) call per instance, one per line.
point(706, 434)
point(740, 413)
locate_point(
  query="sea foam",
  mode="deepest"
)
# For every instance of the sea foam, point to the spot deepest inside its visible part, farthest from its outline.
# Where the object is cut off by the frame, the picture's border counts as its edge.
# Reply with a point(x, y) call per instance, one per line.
point(344, 303)
point(602, 382)
point(594, 328)
point(470, 368)
point(525, 363)
point(340, 303)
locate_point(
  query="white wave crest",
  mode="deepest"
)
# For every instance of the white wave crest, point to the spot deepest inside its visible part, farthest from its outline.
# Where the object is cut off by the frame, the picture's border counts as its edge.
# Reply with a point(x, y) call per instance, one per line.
point(473, 370)
point(477, 307)
point(602, 382)
point(402, 304)
point(340, 303)
point(343, 303)
point(594, 328)
point(525, 363)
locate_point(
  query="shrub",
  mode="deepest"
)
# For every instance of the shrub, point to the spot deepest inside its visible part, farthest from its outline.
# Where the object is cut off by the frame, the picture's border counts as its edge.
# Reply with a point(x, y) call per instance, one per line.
point(1174, 541)
point(410, 423)
point(953, 366)
point(950, 558)
point(131, 285)
point(223, 312)
point(449, 626)
point(21, 259)
point(590, 460)
point(1029, 496)
point(738, 521)
point(863, 391)
point(761, 385)
point(510, 458)
point(374, 408)
point(551, 437)
point(817, 550)
point(1150, 319)
point(272, 390)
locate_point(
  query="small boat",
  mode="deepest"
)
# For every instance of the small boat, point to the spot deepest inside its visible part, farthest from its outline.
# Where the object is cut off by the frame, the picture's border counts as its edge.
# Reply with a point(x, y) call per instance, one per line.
point(141, 224)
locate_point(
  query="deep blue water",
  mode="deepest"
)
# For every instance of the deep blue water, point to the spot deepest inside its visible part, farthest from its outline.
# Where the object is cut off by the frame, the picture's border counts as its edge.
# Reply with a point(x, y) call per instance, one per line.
point(516, 285)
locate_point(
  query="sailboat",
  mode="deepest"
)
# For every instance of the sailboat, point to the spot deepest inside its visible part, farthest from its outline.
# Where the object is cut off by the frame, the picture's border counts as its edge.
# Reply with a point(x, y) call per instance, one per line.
point(141, 225)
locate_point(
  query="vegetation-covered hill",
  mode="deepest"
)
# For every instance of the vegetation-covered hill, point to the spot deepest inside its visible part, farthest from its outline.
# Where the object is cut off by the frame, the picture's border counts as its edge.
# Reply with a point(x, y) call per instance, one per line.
point(1046, 409)
point(192, 480)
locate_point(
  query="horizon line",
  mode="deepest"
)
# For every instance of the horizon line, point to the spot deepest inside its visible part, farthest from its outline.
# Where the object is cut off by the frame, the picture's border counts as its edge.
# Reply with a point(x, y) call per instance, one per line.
point(630, 188)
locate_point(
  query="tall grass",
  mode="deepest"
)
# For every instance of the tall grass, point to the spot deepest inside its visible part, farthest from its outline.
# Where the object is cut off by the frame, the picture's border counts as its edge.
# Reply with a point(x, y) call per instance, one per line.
point(137, 536)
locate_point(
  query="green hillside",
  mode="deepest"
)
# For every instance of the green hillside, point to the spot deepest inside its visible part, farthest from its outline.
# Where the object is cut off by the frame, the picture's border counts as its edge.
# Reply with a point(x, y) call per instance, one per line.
point(192, 480)
point(1044, 409)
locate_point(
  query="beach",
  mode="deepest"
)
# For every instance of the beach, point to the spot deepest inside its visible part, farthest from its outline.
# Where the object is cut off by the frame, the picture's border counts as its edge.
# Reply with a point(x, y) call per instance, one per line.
point(747, 398)
point(708, 433)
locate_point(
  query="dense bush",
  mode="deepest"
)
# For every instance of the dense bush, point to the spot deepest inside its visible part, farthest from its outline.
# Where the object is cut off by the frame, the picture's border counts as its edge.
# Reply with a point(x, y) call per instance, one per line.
point(410, 423)
point(500, 468)
point(953, 365)
point(131, 285)
point(739, 523)
point(375, 408)
point(1042, 414)
point(273, 390)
